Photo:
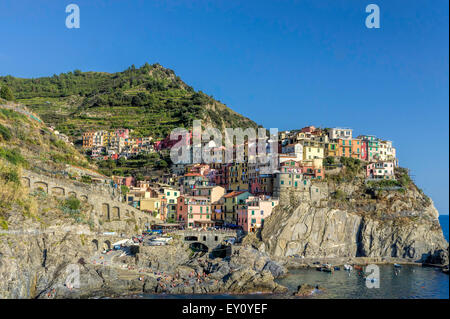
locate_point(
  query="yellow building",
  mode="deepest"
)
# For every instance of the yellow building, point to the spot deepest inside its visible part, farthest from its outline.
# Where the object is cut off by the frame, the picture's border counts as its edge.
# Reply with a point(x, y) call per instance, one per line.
point(331, 149)
point(238, 176)
point(313, 151)
point(151, 205)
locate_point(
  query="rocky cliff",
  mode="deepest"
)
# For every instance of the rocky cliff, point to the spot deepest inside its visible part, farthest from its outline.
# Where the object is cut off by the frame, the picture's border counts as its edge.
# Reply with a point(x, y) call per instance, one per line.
point(357, 220)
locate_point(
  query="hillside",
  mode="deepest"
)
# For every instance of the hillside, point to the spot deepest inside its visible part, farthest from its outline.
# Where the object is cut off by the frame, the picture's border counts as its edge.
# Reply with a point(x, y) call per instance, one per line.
point(27, 144)
point(151, 100)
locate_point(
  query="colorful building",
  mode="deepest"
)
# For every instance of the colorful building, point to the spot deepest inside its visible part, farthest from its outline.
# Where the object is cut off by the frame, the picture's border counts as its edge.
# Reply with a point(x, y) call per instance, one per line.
point(340, 133)
point(171, 195)
point(380, 170)
point(214, 193)
point(231, 201)
point(252, 213)
point(194, 211)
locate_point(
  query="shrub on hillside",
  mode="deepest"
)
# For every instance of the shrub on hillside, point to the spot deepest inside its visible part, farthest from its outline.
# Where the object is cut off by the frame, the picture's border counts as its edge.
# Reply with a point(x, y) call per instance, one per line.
point(6, 93)
point(72, 203)
point(13, 156)
point(5, 133)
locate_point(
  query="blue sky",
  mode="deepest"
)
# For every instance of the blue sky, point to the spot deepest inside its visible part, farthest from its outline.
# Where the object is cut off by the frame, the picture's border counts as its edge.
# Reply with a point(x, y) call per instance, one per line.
point(284, 64)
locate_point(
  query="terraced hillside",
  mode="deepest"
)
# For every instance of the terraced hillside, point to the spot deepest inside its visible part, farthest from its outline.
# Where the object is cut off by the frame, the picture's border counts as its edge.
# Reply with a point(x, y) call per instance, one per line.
point(151, 100)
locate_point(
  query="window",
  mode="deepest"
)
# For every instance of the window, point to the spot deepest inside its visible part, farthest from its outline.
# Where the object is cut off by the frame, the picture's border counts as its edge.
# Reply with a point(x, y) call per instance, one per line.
point(168, 194)
point(253, 212)
point(175, 194)
point(262, 212)
point(282, 182)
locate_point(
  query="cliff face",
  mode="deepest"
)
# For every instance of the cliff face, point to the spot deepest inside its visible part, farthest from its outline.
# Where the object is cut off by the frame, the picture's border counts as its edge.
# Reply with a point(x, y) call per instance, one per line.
point(402, 225)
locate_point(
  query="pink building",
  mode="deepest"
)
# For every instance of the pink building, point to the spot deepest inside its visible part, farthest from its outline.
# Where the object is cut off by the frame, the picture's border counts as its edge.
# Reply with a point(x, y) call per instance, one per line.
point(256, 209)
point(194, 211)
point(380, 170)
point(127, 181)
point(124, 133)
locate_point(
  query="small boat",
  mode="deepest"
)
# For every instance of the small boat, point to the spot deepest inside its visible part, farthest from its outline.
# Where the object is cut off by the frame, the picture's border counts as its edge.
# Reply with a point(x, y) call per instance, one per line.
point(445, 270)
point(358, 267)
point(337, 268)
point(348, 267)
point(397, 266)
point(325, 268)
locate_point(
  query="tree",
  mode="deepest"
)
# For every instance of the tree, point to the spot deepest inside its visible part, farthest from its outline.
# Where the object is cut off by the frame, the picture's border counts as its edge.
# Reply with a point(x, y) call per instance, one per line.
point(6, 93)
point(121, 161)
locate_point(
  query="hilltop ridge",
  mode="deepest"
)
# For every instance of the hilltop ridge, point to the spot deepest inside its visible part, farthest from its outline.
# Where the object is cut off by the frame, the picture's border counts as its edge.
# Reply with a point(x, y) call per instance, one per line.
point(150, 100)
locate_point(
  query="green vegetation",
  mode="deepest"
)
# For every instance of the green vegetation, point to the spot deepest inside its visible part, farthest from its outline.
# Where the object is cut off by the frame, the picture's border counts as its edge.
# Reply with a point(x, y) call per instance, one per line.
point(86, 179)
point(72, 207)
point(6, 114)
point(401, 174)
point(10, 176)
point(6, 93)
point(3, 223)
point(384, 183)
point(13, 156)
point(124, 189)
point(150, 100)
point(72, 203)
point(352, 165)
point(5, 133)
point(29, 141)
point(352, 169)
point(138, 165)
point(328, 161)
point(339, 195)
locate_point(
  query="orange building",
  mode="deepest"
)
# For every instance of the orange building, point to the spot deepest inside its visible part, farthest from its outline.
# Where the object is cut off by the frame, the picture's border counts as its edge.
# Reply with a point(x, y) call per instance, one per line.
point(88, 139)
point(351, 148)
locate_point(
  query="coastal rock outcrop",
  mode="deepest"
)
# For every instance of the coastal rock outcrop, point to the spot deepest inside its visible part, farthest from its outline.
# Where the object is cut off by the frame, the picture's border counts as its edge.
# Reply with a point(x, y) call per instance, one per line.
point(395, 226)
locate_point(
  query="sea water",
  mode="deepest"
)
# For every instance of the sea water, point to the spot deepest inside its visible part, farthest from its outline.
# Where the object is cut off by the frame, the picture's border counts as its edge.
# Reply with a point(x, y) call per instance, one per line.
point(409, 281)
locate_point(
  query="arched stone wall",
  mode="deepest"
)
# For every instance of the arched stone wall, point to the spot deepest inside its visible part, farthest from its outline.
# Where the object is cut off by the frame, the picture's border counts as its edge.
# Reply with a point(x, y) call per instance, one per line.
point(40, 185)
point(95, 244)
point(105, 212)
point(116, 213)
point(58, 191)
point(106, 244)
point(72, 194)
point(26, 182)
